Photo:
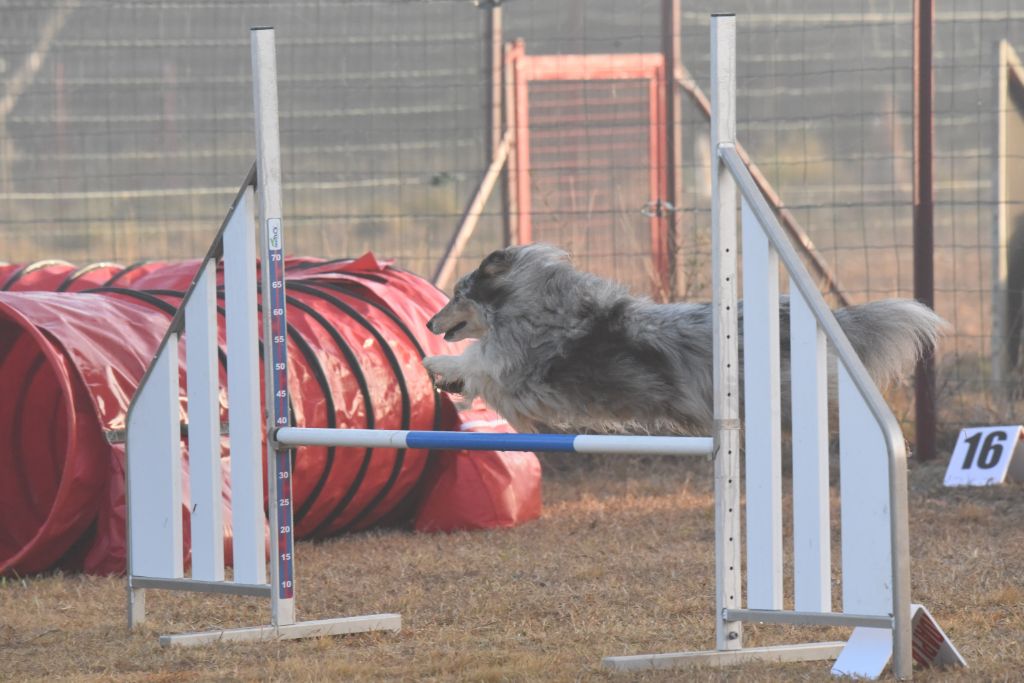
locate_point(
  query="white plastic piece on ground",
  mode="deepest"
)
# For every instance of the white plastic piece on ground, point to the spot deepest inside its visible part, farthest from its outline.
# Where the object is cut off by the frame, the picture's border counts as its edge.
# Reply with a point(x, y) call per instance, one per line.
point(866, 653)
point(869, 649)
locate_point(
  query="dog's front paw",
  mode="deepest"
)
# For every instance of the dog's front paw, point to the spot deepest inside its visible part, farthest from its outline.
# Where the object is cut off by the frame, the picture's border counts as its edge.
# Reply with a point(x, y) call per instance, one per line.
point(450, 386)
point(444, 373)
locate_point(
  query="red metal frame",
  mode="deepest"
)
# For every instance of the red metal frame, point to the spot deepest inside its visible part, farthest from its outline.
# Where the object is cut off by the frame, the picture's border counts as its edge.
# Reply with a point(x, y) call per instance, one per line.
point(525, 68)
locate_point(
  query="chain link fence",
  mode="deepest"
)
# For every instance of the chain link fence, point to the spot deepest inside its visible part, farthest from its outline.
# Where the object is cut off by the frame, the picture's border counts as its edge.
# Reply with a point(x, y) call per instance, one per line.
point(125, 128)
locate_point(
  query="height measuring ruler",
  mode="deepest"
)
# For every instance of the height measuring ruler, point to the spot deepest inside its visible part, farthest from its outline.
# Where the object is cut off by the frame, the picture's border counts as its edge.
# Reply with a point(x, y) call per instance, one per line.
point(275, 328)
point(276, 354)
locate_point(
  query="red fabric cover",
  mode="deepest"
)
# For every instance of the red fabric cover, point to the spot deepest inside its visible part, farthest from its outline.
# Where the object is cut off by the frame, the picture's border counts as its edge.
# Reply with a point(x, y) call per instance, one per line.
point(71, 362)
point(480, 490)
point(40, 275)
point(90, 277)
point(70, 484)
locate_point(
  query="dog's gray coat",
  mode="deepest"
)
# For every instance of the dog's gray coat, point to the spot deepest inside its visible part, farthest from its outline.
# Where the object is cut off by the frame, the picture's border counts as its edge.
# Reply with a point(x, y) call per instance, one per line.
point(561, 350)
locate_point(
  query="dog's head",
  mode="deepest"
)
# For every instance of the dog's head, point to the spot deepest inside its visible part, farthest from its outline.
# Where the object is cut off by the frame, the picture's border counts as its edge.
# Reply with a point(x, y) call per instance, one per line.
point(466, 315)
point(506, 275)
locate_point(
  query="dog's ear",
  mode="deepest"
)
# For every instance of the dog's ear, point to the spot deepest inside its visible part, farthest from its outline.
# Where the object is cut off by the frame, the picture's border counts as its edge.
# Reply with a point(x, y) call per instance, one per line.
point(497, 263)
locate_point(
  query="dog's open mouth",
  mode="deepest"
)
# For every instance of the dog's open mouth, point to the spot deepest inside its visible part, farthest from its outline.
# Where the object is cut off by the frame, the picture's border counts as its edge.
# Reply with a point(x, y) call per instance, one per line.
point(451, 333)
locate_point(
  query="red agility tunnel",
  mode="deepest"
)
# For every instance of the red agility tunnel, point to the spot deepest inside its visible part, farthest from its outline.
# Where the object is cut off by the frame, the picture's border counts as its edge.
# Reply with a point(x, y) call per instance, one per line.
point(61, 276)
point(356, 335)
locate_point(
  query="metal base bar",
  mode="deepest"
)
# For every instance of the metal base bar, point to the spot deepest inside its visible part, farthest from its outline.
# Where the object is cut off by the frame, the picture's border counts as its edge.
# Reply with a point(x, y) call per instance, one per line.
point(766, 616)
point(303, 629)
point(805, 652)
point(259, 590)
point(136, 607)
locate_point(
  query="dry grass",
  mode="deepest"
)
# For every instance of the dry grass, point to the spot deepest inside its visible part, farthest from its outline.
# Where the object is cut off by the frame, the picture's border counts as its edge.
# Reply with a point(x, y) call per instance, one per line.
point(621, 563)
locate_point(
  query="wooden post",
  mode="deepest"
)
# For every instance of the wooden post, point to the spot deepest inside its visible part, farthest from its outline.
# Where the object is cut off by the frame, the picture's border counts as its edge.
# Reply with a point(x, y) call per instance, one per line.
point(498, 111)
point(508, 183)
point(512, 119)
point(671, 48)
point(495, 58)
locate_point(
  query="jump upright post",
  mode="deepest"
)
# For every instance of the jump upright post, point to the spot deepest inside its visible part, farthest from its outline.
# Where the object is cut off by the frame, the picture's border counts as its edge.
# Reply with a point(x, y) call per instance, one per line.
point(154, 432)
point(875, 571)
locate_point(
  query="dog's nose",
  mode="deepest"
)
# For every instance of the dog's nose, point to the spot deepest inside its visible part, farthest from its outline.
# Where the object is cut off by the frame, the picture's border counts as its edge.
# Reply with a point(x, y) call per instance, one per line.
point(430, 325)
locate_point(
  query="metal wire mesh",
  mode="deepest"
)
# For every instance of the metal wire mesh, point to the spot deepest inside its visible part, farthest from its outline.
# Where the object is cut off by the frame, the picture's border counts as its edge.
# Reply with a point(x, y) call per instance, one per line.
point(130, 137)
point(125, 128)
point(590, 174)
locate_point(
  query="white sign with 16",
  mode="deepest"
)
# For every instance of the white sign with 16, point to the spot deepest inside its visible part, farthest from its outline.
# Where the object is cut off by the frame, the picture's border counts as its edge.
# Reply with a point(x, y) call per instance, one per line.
point(985, 455)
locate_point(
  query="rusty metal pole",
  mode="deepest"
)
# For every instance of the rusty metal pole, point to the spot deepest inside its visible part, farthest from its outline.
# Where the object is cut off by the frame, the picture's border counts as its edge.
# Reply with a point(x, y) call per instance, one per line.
point(671, 48)
point(924, 214)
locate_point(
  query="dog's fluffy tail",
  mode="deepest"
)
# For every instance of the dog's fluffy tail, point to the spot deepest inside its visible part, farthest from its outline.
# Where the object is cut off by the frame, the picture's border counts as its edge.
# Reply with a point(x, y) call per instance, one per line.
point(891, 335)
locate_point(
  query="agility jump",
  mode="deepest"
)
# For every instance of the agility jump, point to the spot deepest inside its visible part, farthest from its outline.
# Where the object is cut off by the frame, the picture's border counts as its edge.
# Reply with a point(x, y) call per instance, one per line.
point(875, 556)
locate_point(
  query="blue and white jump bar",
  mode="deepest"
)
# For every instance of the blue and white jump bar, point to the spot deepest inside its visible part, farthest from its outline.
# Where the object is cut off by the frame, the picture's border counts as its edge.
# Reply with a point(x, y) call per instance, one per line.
point(479, 441)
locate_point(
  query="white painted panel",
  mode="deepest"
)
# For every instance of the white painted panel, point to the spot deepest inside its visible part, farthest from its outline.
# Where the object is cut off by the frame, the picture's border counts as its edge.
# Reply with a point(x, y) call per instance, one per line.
point(244, 416)
point(761, 401)
point(204, 428)
point(154, 471)
point(812, 573)
point(864, 509)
